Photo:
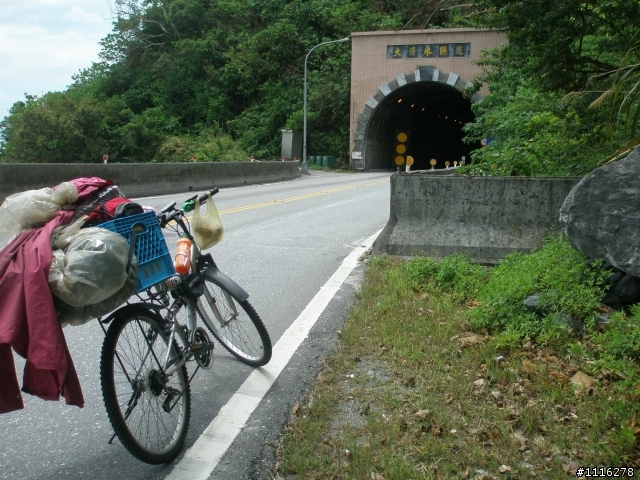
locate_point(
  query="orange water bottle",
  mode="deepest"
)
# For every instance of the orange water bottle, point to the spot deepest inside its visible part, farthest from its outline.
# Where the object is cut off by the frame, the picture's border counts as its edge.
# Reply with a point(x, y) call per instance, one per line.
point(182, 262)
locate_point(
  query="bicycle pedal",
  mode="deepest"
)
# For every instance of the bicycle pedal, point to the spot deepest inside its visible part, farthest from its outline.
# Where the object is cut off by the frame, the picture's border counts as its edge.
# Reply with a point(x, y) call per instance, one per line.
point(202, 347)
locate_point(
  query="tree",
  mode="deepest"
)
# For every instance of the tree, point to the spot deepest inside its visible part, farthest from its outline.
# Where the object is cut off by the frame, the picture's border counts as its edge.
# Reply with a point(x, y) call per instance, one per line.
point(534, 133)
point(53, 129)
point(554, 48)
point(175, 68)
point(432, 13)
point(561, 44)
point(622, 97)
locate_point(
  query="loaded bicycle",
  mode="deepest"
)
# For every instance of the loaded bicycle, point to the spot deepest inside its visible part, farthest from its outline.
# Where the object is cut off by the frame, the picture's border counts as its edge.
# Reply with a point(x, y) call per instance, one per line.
point(150, 341)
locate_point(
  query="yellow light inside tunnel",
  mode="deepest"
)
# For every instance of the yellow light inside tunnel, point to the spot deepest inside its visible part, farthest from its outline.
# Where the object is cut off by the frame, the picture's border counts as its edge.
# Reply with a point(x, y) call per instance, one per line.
point(409, 160)
point(399, 160)
point(402, 137)
point(432, 161)
point(401, 149)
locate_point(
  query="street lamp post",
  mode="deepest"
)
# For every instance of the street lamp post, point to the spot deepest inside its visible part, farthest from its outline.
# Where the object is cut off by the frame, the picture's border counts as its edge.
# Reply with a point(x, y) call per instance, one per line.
point(305, 167)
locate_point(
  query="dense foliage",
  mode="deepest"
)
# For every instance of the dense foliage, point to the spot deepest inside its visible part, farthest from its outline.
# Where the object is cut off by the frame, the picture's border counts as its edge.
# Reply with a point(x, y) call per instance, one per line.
point(568, 321)
point(538, 123)
point(220, 79)
point(177, 77)
point(569, 286)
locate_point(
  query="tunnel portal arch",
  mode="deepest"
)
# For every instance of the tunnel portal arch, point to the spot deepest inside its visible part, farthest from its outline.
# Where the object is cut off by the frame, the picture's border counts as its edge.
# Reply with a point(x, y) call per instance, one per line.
point(431, 105)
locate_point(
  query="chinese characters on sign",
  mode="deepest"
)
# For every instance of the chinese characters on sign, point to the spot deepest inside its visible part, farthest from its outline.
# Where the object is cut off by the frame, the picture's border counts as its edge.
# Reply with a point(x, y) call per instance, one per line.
point(434, 50)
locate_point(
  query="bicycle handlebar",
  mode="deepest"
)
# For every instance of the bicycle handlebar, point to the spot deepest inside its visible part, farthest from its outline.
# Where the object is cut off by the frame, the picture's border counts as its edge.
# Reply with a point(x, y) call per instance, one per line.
point(164, 217)
point(189, 204)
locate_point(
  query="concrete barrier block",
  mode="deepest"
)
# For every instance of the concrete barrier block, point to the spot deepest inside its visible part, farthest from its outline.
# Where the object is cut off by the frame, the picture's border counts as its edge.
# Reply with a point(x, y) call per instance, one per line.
point(488, 217)
point(142, 179)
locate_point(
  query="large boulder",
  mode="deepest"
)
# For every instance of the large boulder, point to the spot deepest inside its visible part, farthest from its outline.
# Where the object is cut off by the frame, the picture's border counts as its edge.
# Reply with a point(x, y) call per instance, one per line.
point(601, 215)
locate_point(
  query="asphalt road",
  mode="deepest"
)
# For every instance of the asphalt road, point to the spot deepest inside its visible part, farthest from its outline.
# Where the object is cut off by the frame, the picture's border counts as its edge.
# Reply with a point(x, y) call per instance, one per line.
point(282, 243)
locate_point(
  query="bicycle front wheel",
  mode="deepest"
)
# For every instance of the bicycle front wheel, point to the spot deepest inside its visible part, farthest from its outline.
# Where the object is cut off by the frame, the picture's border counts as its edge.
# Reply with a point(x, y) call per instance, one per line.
point(235, 324)
point(148, 404)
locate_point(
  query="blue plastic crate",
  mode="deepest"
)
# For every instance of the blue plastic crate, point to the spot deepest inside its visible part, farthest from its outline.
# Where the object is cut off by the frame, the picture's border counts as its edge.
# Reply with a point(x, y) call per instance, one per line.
point(154, 260)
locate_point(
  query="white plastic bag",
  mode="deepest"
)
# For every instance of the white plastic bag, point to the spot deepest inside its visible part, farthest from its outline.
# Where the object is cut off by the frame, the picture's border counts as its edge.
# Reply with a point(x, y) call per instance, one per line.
point(34, 208)
point(207, 228)
point(65, 193)
point(62, 235)
point(91, 268)
point(69, 315)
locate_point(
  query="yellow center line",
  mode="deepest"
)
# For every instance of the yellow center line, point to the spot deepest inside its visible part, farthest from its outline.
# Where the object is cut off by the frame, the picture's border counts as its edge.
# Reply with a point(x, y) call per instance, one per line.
point(292, 199)
point(299, 197)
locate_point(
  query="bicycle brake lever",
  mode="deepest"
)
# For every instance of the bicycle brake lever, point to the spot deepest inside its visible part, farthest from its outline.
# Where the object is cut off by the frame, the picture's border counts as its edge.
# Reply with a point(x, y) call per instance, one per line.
point(167, 208)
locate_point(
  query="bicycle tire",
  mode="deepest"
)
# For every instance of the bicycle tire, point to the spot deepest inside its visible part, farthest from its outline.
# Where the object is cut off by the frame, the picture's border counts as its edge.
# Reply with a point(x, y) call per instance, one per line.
point(241, 331)
point(133, 376)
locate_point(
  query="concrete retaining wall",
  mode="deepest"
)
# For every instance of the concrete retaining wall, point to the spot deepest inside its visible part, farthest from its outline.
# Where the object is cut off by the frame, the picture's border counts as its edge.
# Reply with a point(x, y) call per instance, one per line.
point(141, 179)
point(489, 217)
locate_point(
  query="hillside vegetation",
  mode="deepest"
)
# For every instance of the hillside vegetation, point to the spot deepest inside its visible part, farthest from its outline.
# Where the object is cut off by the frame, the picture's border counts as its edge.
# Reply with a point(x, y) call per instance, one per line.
point(220, 79)
point(441, 372)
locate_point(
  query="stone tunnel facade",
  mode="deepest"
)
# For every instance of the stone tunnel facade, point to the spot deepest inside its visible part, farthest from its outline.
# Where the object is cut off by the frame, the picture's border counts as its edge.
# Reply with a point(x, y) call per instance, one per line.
point(415, 81)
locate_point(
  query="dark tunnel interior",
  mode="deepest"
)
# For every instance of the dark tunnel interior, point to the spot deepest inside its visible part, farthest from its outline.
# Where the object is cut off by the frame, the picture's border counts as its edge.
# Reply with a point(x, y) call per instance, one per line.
point(433, 113)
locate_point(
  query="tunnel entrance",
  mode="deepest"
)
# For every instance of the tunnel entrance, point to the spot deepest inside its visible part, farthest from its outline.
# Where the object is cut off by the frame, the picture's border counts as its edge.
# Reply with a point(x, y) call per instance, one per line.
point(434, 114)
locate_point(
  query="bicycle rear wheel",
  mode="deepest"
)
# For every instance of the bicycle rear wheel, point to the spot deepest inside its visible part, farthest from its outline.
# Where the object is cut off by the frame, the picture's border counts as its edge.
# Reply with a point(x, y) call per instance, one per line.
point(149, 408)
point(235, 324)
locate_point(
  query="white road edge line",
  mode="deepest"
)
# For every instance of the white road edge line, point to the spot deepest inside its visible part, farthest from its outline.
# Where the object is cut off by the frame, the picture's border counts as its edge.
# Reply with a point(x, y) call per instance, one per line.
point(200, 460)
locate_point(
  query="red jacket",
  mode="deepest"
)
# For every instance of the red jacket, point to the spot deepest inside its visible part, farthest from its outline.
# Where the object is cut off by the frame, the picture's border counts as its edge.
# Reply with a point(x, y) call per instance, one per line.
point(28, 321)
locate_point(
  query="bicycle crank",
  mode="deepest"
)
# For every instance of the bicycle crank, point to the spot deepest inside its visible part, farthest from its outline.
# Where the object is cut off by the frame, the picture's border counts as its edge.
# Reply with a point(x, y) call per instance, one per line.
point(202, 348)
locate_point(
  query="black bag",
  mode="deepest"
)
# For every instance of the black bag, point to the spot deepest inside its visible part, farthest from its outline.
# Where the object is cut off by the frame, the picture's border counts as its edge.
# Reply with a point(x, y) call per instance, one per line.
point(127, 209)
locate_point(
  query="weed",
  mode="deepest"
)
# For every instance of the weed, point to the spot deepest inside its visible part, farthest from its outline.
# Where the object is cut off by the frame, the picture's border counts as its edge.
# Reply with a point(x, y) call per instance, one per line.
point(569, 286)
point(413, 392)
point(622, 337)
point(455, 274)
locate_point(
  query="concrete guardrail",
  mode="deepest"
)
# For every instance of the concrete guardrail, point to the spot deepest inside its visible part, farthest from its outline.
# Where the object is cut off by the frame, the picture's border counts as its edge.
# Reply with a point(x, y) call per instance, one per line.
point(143, 179)
point(488, 217)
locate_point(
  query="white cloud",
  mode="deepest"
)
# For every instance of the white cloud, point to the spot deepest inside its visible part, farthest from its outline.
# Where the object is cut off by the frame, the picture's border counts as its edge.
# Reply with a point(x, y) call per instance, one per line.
point(77, 14)
point(44, 42)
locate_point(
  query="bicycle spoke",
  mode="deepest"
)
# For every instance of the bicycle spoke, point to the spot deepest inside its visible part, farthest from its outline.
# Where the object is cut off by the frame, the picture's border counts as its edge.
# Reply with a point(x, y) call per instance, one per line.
point(135, 388)
point(236, 325)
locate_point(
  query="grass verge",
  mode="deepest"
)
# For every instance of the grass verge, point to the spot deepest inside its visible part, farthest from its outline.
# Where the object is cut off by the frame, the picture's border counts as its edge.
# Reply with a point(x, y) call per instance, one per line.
point(437, 376)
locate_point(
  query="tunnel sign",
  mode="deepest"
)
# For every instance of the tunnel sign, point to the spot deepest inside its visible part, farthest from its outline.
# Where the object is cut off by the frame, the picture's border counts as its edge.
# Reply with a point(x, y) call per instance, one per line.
point(435, 50)
point(400, 148)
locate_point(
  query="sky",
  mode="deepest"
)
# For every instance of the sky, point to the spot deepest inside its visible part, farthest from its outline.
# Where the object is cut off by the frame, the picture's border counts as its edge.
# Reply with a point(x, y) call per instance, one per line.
point(44, 42)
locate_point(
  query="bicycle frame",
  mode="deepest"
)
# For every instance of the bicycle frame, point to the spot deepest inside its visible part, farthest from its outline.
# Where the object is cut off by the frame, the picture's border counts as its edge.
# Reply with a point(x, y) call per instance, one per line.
point(181, 300)
point(202, 267)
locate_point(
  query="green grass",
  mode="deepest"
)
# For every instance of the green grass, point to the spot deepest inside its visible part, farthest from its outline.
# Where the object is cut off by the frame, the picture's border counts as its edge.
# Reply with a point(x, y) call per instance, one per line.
point(419, 388)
